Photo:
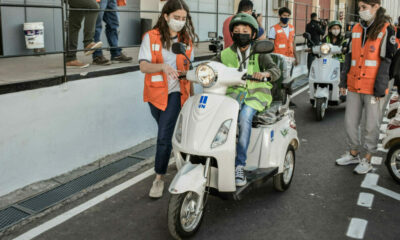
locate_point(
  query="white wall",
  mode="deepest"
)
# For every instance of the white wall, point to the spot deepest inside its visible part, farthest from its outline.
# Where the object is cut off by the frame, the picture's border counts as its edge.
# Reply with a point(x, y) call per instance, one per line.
point(392, 7)
point(50, 131)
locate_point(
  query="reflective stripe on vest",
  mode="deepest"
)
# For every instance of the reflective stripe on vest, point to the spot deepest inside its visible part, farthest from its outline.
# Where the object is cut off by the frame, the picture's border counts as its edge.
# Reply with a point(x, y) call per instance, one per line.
point(365, 61)
point(155, 84)
point(283, 44)
point(256, 95)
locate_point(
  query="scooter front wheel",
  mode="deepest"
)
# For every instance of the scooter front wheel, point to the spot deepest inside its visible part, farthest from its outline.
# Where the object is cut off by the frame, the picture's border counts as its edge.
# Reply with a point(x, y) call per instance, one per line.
point(393, 162)
point(183, 222)
point(320, 107)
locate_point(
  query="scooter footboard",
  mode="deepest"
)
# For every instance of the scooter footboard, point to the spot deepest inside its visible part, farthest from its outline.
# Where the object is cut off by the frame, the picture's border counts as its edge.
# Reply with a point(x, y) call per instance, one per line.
point(189, 178)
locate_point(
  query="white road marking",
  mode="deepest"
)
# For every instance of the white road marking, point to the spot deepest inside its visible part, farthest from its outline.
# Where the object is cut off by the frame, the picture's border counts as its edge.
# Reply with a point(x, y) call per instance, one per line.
point(376, 160)
point(385, 120)
point(299, 91)
point(34, 232)
point(365, 200)
point(371, 182)
point(382, 136)
point(357, 228)
point(381, 149)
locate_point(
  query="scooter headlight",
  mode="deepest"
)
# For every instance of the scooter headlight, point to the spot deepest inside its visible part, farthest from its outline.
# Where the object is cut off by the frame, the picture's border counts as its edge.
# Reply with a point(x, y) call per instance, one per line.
point(222, 134)
point(206, 75)
point(325, 48)
point(178, 131)
point(335, 74)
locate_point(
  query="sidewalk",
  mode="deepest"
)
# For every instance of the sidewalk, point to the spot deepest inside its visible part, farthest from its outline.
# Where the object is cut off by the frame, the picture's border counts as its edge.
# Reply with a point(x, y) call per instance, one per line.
point(23, 69)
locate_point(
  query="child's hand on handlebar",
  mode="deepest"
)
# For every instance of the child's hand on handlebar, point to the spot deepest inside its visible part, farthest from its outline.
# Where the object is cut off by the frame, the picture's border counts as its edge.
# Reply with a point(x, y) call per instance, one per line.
point(261, 75)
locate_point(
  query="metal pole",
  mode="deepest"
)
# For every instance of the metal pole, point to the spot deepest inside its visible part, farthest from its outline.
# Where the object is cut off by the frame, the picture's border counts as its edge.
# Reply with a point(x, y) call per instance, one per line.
point(66, 46)
point(217, 19)
point(63, 39)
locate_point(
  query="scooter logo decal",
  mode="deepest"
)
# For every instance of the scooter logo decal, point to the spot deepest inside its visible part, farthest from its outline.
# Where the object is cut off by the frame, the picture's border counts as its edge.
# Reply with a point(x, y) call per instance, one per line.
point(203, 101)
point(272, 135)
point(284, 132)
point(325, 60)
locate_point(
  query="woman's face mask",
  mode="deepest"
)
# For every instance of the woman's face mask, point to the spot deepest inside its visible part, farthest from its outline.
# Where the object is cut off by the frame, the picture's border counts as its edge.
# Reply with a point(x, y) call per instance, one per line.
point(366, 15)
point(176, 25)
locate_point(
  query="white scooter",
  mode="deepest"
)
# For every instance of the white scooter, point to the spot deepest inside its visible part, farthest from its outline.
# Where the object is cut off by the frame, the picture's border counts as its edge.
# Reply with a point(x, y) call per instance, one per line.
point(392, 143)
point(204, 145)
point(324, 77)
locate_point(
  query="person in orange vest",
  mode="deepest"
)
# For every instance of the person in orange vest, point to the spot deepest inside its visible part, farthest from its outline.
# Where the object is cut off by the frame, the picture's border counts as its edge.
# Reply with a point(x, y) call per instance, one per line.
point(282, 34)
point(111, 19)
point(398, 33)
point(365, 75)
point(163, 90)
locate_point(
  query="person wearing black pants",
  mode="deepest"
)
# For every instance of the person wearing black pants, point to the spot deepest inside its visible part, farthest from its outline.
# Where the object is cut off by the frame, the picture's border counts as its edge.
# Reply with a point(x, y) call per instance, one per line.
point(166, 121)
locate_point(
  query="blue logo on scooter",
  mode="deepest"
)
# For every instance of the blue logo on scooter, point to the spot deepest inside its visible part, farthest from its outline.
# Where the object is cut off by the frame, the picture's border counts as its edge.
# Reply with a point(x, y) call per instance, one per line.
point(272, 135)
point(325, 61)
point(203, 101)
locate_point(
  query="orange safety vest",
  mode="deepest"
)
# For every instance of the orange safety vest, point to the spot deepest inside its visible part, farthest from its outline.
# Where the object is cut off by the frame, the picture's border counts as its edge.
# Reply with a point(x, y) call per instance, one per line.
point(397, 39)
point(119, 2)
point(283, 44)
point(156, 84)
point(365, 61)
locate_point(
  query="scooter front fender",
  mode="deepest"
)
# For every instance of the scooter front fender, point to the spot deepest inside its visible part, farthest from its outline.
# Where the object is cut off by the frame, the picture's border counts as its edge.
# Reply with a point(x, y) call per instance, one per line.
point(322, 92)
point(190, 178)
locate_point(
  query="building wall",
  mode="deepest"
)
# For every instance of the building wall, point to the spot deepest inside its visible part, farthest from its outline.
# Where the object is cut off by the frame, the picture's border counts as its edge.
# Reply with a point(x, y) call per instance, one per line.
point(13, 18)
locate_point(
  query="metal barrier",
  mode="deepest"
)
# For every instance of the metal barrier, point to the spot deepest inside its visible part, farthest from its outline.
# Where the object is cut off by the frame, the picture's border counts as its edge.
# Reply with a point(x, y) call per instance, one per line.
point(65, 9)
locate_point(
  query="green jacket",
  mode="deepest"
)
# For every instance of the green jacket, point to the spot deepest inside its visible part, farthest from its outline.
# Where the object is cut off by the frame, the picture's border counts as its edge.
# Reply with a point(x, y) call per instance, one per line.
point(256, 94)
point(339, 43)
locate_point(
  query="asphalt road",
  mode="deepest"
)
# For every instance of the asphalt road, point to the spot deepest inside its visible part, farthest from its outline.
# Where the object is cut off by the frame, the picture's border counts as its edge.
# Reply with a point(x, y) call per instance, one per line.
point(320, 203)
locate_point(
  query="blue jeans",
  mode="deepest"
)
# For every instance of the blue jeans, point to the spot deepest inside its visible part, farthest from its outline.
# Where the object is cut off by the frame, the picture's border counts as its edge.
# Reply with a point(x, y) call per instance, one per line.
point(166, 121)
point(112, 24)
point(245, 123)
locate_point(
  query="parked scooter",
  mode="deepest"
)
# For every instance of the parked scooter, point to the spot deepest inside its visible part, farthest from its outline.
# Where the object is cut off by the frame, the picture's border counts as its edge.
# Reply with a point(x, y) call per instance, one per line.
point(392, 143)
point(204, 145)
point(324, 77)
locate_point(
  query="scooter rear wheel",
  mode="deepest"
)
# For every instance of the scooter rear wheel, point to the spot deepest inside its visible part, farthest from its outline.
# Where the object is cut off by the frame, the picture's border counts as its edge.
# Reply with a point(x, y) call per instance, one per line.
point(182, 219)
point(283, 180)
point(393, 162)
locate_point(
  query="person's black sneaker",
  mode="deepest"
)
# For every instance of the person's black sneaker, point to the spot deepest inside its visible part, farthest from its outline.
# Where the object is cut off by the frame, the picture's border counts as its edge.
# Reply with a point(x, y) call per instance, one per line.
point(292, 105)
point(101, 60)
point(121, 59)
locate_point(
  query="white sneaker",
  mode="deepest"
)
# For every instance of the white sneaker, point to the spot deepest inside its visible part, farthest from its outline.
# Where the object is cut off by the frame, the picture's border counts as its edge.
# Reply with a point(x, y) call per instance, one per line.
point(157, 189)
point(240, 178)
point(363, 167)
point(348, 159)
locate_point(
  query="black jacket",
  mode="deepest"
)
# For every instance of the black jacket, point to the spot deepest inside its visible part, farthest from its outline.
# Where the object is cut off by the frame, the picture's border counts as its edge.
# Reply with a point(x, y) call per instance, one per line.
point(316, 30)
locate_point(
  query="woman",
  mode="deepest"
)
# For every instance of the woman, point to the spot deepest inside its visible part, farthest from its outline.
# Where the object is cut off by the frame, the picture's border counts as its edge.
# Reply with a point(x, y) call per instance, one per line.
point(163, 90)
point(335, 37)
point(366, 77)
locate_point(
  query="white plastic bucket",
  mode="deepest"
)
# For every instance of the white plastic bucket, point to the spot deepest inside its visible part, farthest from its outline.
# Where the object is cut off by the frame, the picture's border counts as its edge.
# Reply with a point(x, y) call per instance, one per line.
point(34, 35)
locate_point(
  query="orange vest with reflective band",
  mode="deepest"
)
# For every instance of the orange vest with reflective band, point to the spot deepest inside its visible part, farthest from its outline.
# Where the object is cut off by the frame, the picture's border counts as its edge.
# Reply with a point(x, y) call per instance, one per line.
point(283, 44)
point(365, 61)
point(397, 39)
point(156, 84)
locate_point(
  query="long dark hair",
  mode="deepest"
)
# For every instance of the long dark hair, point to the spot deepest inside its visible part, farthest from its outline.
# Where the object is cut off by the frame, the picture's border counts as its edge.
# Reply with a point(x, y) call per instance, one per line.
point(186, 35)
point(380, 19)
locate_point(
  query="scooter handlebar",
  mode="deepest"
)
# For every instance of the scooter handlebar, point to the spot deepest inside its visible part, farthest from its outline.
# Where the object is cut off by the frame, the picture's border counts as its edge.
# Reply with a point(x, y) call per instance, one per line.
point(249, 77)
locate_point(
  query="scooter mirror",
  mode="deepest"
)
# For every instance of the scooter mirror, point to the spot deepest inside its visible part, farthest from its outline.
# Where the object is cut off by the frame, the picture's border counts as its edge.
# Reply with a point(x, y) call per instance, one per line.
point(307, 36)
point(348, 34)
point(263, 47)
point(178, 48)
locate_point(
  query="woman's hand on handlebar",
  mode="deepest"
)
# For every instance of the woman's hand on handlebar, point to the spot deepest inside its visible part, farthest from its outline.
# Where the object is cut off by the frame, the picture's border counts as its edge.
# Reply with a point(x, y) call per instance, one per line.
point(170, 71)
point(343, 91)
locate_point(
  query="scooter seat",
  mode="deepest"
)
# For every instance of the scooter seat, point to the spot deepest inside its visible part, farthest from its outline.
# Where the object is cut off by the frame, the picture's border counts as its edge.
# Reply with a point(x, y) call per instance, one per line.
point(269, 116)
